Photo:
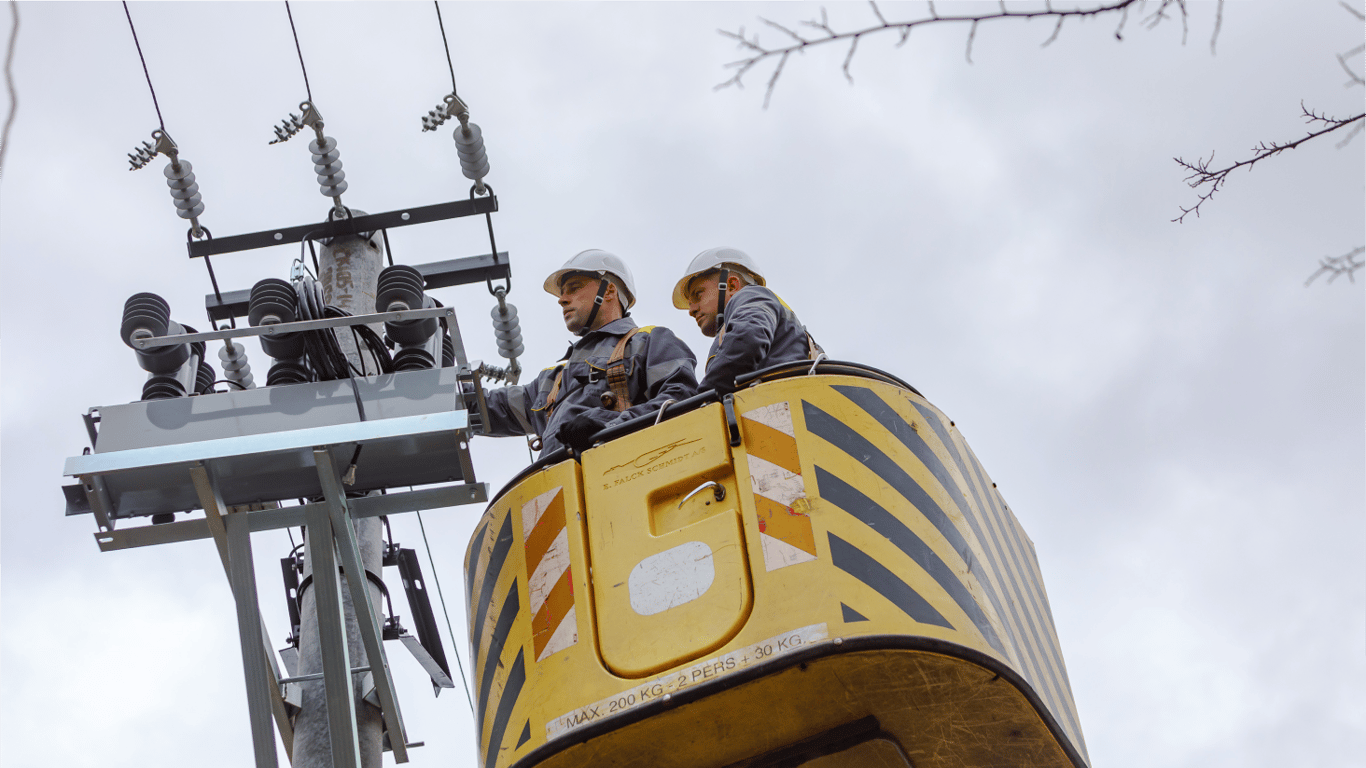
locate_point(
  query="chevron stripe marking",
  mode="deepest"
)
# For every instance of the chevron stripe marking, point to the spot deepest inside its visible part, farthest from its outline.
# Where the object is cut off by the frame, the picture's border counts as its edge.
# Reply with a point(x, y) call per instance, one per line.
point(557, 609)
point(786, 524)
point(778, 416)
point(772, 445)
point(542, 521)
point(501, 546)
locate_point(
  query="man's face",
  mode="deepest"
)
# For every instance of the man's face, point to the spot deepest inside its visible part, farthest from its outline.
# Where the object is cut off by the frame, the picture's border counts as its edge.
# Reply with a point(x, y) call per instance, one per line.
point(702, 295)
point(576, 300)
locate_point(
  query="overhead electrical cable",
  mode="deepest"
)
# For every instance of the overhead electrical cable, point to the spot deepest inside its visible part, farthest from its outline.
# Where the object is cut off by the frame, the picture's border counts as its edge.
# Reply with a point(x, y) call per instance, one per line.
point(143, 59)
point(447, 45)
point(290, 13)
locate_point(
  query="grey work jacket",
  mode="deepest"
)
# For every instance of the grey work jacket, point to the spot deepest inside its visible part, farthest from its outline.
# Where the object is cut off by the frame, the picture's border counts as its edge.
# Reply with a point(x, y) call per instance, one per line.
point(659, 367)
point(760, 331)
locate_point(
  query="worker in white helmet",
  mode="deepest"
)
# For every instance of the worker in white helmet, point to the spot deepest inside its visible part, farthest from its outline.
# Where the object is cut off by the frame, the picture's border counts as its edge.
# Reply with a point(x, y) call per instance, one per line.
point(615, 371)
point(725, 292)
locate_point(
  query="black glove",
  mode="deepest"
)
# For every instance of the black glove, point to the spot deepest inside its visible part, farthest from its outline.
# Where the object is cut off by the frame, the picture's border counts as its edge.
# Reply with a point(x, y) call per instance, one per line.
point(578, 432)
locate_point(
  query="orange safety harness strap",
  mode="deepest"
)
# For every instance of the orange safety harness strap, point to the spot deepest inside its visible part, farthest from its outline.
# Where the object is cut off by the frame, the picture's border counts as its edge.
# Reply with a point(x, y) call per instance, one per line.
point(616, 373)
point(616, 377)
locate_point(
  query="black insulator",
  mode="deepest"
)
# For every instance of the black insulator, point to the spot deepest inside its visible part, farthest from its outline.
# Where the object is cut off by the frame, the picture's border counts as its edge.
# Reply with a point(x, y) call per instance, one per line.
point(447, 351)
point(411, 331)
point(285, 346)
point(198, 347)
point(288, 372)
point(277, 301)
point(413, 359)
point(144, 311)
point(163, 360)
point(399, 284)
point(272, 296)
point(162, 388)
point(204, 379)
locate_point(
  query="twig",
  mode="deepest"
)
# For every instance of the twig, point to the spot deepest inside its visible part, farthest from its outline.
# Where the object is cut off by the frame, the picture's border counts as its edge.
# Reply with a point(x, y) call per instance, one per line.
point(9, 82)
point(1212, 180)
point(1337, 266)
point(755, 52)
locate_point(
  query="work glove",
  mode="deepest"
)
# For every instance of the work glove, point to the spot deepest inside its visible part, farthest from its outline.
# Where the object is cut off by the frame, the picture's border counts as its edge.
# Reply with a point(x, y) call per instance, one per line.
point(578, 432)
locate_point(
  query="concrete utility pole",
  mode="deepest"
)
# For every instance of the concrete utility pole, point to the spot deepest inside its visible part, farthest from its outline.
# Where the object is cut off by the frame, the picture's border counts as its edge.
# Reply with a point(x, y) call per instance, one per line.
point(349, 268)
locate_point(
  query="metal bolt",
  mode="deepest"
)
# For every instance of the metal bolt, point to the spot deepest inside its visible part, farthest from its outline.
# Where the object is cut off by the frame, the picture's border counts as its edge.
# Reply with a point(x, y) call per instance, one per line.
point(839, 641)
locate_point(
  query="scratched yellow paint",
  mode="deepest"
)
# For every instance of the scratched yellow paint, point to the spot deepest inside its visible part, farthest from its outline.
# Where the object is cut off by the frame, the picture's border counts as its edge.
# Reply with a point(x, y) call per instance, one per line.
point(764, 659)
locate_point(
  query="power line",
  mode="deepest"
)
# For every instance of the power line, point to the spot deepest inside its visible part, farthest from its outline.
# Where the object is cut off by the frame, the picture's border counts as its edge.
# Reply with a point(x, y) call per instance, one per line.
point(446, 44)
point(307, 90)
point(143, 59)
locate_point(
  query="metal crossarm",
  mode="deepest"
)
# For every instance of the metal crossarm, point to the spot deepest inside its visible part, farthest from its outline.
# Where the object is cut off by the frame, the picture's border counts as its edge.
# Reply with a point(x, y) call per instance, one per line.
point(348, 226)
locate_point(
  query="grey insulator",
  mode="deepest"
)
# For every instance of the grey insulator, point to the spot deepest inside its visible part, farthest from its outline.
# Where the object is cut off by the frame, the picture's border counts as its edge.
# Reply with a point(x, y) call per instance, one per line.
point(235, 365)
point(327, 164)
point(508, 331)
point(473, 160)
point(184, 189)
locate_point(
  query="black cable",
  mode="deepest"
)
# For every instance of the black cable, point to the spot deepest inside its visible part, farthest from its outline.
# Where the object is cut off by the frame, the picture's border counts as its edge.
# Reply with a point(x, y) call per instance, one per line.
point(307, 90)
point(387, 252)
point(144, 66)
point(446, 44)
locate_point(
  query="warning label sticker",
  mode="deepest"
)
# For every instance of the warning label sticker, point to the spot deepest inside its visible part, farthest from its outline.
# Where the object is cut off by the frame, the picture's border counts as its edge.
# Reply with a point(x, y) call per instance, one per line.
point(678, 680)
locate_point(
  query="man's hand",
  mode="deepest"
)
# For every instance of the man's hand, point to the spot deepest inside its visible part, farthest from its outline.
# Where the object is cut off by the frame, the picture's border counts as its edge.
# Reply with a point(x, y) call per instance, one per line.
point(578, 432)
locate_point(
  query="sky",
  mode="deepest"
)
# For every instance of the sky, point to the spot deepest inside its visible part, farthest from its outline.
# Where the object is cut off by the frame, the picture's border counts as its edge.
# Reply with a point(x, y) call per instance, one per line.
point(1174, 417)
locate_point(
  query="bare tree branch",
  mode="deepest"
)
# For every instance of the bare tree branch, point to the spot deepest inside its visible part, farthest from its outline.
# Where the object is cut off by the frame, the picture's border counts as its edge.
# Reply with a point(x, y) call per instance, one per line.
point(1337, 266)
point(754, 52)
point(1342, 59)
point(1218, 24)
point(1211, 180)
point(1352, 10)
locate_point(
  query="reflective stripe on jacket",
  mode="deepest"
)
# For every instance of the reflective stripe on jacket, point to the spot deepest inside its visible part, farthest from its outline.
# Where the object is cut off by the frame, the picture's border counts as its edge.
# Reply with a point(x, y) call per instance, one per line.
point(760, 331)
point(659, 367)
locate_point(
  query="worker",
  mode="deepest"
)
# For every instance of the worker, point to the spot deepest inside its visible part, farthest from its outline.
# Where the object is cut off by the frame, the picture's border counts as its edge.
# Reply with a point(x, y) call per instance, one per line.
point(724, 291)
point(614, 372)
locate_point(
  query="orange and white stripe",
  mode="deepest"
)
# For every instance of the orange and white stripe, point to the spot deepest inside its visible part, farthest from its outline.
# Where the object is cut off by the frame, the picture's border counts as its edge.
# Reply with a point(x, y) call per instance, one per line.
point(775, 476)
point(550, 586)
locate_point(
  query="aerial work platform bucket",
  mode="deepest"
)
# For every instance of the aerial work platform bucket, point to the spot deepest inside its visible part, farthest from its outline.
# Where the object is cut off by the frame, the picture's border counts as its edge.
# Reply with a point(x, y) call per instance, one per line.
point(816, 572)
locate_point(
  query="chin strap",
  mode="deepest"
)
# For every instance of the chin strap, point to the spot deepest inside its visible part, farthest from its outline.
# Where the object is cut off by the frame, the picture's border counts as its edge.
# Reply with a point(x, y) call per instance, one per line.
point(593, 314)
point(721, 299)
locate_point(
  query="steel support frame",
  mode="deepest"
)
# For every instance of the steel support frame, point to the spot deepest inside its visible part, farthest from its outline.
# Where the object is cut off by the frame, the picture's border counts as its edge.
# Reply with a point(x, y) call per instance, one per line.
point(337, 514)
point(335, 551)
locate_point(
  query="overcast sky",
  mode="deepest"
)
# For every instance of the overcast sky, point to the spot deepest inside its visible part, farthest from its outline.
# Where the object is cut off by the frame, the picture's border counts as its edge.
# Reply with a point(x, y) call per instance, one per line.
point(1174, 417)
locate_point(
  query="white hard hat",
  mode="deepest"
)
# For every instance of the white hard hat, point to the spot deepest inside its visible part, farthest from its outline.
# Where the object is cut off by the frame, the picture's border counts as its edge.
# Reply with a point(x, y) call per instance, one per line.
point(599, 262)
point(715, 258)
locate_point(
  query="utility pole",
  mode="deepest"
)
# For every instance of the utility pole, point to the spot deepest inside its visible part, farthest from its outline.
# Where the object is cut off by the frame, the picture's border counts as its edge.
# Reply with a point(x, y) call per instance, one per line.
point(349, 269)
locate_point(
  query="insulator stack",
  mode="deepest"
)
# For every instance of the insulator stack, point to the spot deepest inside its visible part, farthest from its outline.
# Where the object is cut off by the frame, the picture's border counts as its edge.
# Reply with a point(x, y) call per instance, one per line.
point(162, 387)
point(447, 351)
point(469, 144)
point(400, 288)
point(145, 316)
point(180, 178)
point(233, 358)
point(413, 359)
point(507, 330)
point(275, 301)
point(204, 378)
point(288, 372)
point(327, 164)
